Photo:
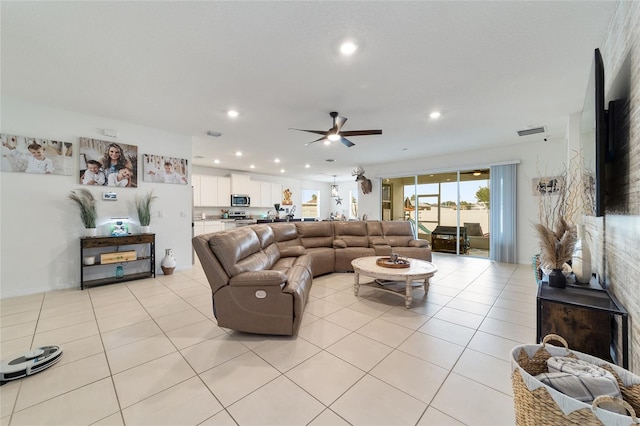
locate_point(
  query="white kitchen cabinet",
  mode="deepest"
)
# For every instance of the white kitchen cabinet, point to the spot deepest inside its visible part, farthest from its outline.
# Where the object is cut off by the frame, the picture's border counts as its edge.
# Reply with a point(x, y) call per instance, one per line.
point(208, 191)
point(255, 195)
point(265, 195)
point(276, 193)
point(198, 228)
point(224, 192)
point(211, 226)
point(195, 181)
point(240, 184)
point(270, 194)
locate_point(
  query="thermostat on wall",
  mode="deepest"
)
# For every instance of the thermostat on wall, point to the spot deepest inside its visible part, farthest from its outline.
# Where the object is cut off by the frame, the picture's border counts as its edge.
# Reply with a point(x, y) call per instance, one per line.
point(110, 196)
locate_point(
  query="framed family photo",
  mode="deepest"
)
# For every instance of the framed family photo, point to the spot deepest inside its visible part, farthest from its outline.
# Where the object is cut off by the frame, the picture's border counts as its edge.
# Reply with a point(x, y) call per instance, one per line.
point(105, 163)
point(33, 155)
point(163, 169)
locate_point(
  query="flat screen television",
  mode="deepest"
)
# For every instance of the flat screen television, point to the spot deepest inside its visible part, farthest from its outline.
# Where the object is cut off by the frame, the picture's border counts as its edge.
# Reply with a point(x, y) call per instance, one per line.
point(593, 135)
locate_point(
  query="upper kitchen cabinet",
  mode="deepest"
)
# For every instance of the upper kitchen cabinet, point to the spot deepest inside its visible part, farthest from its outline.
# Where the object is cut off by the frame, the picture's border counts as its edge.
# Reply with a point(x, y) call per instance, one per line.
point(265, 194)
point(211, 191)
point(240, 184)
point(195, 183)
point(224, 191)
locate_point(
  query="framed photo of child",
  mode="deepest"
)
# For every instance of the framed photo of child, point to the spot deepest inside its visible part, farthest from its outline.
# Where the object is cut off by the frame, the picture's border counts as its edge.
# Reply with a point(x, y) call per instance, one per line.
point(163, 169)
point(105, 163)
point(32, 155)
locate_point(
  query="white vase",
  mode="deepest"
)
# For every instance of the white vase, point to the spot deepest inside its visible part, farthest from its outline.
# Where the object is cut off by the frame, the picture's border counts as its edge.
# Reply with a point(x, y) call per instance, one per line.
point(168, 264)
point(145, 229)
point(581, 260)
point(90, 232)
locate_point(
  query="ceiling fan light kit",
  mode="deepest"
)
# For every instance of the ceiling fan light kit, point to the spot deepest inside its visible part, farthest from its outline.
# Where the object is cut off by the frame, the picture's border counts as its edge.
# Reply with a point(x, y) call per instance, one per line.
point(336, 134)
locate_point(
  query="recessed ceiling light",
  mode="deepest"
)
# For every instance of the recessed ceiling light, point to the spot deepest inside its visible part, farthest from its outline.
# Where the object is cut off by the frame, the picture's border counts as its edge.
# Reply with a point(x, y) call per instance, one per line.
point(216, 161)
point(252, 166)
point(238, 153)
point(232, 113)
point(281, 170)
point(435, 114)
point(306, 166)
point(277, 160)
point(477, 173)
point(348, 48)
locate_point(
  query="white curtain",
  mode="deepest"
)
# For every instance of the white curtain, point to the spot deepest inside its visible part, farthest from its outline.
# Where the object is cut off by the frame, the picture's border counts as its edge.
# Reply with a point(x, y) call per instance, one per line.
point(503, 213)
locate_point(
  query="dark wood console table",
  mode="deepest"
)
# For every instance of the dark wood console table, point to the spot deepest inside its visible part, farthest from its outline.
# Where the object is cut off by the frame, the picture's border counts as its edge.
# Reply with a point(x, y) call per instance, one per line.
point(114, 244)
point(585, 317)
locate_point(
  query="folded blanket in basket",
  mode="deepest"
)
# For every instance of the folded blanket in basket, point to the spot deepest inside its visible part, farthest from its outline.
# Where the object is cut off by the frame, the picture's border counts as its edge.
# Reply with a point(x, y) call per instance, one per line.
point(579, 379)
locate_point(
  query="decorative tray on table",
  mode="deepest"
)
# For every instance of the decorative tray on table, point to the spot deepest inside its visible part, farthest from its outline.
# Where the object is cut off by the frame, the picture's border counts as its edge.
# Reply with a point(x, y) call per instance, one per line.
point(386, 262)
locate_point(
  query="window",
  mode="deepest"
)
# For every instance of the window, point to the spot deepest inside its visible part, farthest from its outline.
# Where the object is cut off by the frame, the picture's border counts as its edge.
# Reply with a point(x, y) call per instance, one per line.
point(310, 203)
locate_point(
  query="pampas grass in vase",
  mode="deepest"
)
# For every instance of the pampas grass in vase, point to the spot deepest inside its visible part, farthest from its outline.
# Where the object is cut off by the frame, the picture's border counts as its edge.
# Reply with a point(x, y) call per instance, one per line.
point(556, 248)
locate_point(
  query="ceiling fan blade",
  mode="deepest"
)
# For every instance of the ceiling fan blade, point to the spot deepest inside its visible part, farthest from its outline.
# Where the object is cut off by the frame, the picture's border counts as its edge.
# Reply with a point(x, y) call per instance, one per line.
point(361, 132)
point(318, 132)
point(338, 123)
point(346, 142)
point(317, 140)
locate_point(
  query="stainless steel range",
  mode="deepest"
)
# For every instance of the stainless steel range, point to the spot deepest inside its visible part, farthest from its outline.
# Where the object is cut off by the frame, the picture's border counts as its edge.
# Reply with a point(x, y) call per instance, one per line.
point(240, 218)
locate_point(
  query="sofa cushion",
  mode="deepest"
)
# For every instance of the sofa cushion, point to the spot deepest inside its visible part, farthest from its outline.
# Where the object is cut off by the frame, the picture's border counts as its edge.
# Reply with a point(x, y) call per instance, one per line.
point(418, 243)
point(353, 233)
point(374, 228)
point(315, 234)
point(378, 241)
point(339, 244)
point(259, 278)
point(285, 234)
point(292, 251)
point(238, 250)
point(397, 233)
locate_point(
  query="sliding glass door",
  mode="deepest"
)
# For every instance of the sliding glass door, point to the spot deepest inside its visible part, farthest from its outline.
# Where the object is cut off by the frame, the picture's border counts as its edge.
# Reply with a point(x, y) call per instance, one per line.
point(449, 209)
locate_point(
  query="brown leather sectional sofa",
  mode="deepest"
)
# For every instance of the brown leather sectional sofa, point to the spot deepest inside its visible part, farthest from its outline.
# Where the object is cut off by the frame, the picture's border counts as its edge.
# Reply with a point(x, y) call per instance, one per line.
point(261, 275)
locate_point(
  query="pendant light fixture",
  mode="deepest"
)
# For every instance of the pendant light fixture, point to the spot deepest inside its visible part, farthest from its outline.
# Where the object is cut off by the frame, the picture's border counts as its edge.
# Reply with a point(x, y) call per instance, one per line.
point(334, 188)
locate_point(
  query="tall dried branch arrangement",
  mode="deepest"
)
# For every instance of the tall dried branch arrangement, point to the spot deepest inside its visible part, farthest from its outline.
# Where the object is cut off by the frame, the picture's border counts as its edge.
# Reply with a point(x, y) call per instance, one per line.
point(575, 194)
point(560, 210)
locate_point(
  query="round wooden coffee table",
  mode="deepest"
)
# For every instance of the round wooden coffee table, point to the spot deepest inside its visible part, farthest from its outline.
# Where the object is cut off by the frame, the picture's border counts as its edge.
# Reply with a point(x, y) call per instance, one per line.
point(418, 270)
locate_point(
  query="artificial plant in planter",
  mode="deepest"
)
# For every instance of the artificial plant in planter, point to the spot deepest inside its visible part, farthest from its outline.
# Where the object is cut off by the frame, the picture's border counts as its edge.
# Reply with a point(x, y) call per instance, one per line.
point(87, 207)
point(143, 206)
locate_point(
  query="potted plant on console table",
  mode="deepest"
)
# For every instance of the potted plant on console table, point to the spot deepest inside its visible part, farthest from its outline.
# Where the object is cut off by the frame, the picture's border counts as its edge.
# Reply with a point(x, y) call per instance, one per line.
point(87, 207)
point(556, 248)
point(143, 206)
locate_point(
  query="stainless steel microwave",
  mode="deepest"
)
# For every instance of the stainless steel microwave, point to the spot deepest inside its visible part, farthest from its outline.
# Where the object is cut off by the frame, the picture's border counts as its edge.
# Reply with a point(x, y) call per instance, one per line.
point(238, 200)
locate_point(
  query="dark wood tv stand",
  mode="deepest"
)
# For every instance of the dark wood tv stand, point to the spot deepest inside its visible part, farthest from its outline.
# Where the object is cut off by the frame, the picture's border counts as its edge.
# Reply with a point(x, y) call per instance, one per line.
point(585, 317)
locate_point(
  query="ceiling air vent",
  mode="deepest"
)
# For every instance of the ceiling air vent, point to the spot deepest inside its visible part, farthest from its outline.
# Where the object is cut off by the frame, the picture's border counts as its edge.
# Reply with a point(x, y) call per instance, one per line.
point(532, 131)
point(213, 134)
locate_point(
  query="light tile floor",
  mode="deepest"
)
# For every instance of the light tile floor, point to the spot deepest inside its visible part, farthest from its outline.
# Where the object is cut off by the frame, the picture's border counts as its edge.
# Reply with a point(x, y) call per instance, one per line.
point(149, 352)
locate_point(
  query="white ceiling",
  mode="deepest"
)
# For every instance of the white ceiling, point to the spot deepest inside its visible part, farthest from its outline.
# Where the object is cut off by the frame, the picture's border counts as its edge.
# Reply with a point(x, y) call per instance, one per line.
point(491, 68)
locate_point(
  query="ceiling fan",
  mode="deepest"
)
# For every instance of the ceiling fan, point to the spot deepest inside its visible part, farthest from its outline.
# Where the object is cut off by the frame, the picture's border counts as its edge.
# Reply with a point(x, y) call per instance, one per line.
point(335, 133)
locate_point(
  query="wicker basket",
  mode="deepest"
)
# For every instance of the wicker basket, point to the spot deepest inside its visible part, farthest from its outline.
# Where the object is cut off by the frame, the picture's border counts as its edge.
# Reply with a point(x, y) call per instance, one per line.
point(537, 404)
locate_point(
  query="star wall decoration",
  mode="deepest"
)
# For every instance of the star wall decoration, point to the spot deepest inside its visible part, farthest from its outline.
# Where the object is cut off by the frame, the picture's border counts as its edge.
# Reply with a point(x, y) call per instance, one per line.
point(338, 201)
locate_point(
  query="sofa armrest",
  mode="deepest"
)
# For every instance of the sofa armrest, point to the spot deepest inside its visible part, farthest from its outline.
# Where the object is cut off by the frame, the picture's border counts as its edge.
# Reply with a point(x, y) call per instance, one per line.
point(339, 244)
point(264, 278)
point(292, 251)
point(378, 241)
point(418, 243)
